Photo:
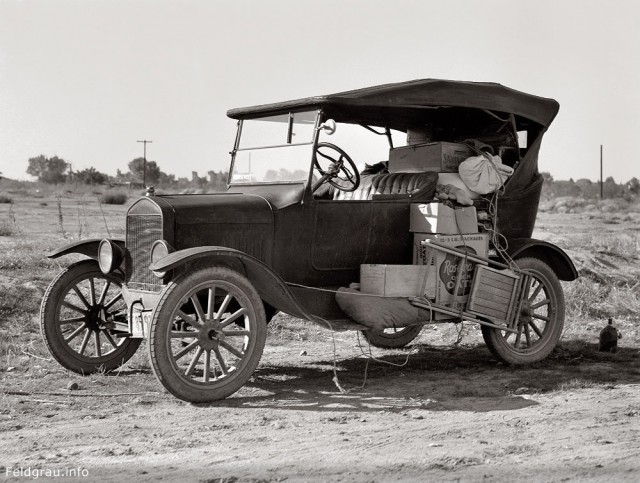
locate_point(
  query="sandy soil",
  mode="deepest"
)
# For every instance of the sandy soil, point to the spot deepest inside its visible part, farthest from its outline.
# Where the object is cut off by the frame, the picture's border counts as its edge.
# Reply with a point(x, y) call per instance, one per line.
point(447, 415)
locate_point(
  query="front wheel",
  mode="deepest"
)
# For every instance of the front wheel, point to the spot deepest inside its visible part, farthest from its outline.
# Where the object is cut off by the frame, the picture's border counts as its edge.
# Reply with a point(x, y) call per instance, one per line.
point(392, 338)
point(77, 316)
point(207, 334)
point(540, 321)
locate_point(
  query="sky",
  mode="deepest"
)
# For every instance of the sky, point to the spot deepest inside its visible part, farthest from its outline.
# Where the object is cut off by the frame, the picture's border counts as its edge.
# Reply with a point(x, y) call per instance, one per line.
point(85, 80)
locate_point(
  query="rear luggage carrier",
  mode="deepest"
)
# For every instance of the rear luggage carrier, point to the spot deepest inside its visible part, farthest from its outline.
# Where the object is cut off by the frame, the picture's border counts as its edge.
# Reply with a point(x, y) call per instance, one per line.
point(496, 295)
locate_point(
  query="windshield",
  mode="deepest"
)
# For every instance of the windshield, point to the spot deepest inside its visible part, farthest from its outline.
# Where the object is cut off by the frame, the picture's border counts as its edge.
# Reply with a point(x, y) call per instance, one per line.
point(275, 148)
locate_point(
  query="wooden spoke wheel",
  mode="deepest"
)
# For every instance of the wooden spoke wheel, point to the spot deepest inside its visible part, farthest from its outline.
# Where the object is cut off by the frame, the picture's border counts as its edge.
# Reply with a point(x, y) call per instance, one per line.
point(207, 334)
point(77, 318)
point(540, 321)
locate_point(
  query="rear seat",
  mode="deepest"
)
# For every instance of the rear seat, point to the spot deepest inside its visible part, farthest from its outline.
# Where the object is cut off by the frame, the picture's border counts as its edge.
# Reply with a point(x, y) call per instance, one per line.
point(415, 185)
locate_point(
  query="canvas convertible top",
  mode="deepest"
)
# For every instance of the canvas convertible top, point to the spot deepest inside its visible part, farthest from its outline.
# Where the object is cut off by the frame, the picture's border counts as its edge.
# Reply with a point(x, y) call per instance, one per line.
point(462, 110)
point(399, 102)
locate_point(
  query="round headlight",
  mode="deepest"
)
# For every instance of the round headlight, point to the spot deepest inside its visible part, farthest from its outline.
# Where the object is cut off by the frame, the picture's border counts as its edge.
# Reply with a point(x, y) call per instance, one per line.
point(160, 249)
point(110, 256)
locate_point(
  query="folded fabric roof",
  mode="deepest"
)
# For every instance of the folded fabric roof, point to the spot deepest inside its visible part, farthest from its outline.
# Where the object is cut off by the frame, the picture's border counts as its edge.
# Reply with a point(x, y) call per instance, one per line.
point(416, 95)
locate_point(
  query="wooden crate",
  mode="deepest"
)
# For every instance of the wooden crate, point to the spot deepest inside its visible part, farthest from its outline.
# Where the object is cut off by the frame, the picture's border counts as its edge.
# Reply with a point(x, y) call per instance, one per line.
point(493, 293)
point(398, 280)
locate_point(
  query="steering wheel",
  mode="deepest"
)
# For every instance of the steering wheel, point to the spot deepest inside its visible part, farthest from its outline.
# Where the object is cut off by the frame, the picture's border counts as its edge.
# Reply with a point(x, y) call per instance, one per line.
point(346, 172)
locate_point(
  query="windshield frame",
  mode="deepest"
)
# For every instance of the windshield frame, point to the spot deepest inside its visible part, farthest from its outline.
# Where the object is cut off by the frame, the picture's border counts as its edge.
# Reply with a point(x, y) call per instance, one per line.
point(313, 143)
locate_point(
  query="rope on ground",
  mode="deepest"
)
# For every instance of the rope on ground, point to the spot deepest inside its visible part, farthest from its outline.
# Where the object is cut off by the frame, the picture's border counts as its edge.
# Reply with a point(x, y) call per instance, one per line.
point(370, 357)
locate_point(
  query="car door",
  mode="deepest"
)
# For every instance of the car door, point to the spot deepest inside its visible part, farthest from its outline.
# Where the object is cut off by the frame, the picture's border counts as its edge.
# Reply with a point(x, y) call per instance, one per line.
point(347, 234)
point(341, 232)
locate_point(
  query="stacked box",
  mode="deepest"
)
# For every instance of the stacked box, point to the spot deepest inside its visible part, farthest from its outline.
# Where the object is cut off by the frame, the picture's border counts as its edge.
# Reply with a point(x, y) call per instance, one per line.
point(476, 243)
point(442, 157)
point(440, 218)
point(444, 267)
point(397, 280)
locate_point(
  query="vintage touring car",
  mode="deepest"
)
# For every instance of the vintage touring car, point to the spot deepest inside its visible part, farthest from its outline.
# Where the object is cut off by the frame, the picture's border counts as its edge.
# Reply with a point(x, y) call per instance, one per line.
point(315, 195)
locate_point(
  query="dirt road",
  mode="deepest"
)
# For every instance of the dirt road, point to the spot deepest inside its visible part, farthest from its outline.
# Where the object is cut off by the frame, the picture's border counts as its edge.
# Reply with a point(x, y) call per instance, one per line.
point(450, 414)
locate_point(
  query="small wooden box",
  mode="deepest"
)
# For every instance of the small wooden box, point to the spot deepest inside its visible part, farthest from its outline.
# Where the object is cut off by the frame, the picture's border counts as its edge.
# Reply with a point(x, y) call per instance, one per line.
point(398, 280)
point(493, 293)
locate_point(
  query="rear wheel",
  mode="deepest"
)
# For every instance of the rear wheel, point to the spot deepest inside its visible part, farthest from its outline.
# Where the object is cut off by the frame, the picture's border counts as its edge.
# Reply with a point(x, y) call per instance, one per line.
point(392, 338)
point(540, 321)
point(77, 315)
point(207, 334)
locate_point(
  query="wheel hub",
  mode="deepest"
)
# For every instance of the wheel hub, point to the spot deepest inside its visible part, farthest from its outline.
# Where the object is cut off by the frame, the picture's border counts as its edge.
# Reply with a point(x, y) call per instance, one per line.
point(210, 335)
point(94, 317)
point(526, 308)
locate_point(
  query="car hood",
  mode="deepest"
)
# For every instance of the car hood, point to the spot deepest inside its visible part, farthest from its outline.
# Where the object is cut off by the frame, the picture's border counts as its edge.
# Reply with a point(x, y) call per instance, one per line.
point(227, 208)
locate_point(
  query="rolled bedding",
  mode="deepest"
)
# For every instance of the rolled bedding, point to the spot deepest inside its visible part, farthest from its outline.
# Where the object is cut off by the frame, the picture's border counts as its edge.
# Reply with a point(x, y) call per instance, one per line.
point(380, 312)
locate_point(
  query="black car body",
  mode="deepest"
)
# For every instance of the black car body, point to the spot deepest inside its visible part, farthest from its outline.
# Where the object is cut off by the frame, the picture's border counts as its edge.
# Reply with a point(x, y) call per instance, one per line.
point(294, 246)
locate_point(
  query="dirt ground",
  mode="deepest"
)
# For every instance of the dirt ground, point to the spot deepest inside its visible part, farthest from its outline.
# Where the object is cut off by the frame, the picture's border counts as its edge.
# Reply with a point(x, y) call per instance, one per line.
point(450, 414)
point(438, 411)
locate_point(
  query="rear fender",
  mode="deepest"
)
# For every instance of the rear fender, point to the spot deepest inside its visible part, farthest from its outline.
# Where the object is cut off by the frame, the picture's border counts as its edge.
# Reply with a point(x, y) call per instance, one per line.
point(272, 289)
point(88, 248)
point(552, 255)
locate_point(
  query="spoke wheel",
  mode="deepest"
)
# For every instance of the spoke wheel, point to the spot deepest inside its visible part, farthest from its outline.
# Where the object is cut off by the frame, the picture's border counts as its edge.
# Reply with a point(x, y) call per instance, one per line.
point(392, 338)
point(540, 322)
point(207, 334)
point(76, 310)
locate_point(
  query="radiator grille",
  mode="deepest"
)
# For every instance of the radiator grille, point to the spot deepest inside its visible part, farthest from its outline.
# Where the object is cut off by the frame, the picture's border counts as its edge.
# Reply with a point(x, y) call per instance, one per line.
point(142, 231)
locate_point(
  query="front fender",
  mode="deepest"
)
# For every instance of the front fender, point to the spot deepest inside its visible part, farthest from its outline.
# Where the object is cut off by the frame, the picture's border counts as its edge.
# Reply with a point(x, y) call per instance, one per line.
point(549, 253)
point(270, 286)
point(88, 248)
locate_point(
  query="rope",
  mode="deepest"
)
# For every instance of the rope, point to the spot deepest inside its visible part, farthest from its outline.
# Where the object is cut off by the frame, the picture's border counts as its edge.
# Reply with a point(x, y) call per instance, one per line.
point(335, 379)
point(370, 357)
point(498, 240)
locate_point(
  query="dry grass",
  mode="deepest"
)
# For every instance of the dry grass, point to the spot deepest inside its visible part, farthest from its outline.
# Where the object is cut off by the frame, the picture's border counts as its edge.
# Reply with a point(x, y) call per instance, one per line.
point(284, 328)
point(623, 245)
point(6, 228)
point(575, 384)
point(114, 198)
point(570, 205)
point(9, 225)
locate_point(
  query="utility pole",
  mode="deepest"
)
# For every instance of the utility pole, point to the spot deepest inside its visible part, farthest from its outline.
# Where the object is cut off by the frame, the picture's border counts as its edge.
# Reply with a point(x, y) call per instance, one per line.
point(144, 164)
point(601, 184)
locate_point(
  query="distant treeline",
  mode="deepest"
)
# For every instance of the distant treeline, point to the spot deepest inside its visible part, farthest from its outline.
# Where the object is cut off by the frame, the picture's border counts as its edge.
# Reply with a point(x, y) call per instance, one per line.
point(585, 188)
point(55, 170)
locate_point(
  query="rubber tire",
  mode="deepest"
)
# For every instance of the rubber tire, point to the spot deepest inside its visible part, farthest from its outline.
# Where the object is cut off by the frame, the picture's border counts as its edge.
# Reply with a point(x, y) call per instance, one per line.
point(160, 354)
point(551, 335)
point(396, 340)
point(53, 339)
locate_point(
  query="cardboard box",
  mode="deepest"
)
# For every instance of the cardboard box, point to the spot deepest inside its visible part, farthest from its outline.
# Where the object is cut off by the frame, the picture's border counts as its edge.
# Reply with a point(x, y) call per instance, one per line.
point(441, 157)
point(477, 243)
point(398, 280)
point(444, 266)
point(440, 218)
